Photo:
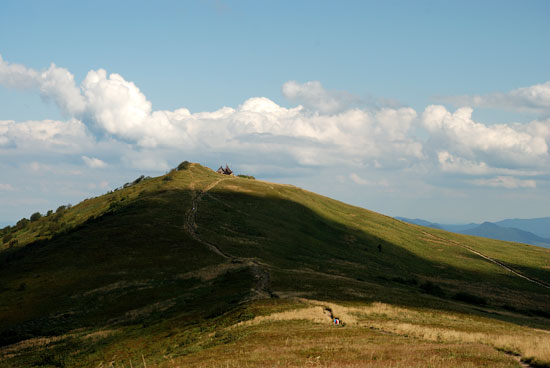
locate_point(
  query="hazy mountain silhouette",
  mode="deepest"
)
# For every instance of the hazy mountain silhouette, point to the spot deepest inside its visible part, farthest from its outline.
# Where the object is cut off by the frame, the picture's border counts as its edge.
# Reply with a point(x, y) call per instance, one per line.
point(529, 231)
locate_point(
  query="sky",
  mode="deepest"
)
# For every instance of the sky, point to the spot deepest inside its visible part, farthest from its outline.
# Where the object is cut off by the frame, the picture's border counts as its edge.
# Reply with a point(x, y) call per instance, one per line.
point(428, 109)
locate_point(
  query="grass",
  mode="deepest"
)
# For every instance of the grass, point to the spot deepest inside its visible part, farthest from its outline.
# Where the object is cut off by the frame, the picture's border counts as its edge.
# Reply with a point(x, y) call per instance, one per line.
point(118, 276)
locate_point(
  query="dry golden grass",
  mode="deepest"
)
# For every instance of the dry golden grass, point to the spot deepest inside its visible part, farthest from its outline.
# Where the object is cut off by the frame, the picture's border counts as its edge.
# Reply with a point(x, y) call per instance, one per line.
point(313, 314)
point(425, 325)
point(300, 343)
point(531, 344)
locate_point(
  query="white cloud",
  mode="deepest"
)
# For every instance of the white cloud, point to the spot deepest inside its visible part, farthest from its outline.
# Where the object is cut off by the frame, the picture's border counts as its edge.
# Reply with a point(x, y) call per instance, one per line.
point(508, 182)
point(51, 135)
point(358, 180)
point(94, 163)
point(17, 76)
point(118, 107)
point(450, 163)
point(501, 145)
point(54, 83)
point(458, 165)
point(535, 99)
point(6, 187)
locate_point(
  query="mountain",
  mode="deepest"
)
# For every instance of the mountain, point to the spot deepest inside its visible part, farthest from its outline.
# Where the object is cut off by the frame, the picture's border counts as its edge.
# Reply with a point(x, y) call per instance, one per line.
point(448, 227)
point(457, 228)
point(419, 222)
point(195, 268)
point(493, 231)
point(537, 226)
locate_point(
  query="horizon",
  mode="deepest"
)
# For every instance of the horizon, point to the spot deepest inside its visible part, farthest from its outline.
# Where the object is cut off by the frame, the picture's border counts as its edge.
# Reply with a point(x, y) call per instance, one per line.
point(437, 111)
point(2, 224)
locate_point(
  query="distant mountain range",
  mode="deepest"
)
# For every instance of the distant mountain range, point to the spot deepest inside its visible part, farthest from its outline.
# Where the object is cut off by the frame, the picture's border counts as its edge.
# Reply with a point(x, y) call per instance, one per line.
point(529, 231)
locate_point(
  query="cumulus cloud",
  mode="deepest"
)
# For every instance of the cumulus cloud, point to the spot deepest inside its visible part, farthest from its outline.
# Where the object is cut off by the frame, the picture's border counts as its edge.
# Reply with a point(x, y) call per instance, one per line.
point(508, 182)
point(534, 99)
point(117, 106)
point(53, 83)
point(500, 145)
point(94, 163)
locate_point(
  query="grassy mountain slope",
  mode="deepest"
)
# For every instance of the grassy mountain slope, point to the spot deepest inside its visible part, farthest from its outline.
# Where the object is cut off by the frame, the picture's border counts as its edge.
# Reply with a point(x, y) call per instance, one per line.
point(172, 268)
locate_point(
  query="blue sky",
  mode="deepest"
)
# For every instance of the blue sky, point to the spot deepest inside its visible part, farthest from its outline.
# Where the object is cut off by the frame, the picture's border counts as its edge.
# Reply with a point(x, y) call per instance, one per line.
point(432, 109)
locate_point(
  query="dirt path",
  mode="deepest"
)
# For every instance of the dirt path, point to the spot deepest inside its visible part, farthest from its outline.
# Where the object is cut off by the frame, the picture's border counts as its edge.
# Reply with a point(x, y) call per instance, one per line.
point(492, 260)
point(191, 225)
point(259, 271)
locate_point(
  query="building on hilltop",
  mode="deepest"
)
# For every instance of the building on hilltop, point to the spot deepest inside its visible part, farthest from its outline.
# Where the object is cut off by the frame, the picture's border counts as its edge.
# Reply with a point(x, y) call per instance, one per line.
point(226, 171)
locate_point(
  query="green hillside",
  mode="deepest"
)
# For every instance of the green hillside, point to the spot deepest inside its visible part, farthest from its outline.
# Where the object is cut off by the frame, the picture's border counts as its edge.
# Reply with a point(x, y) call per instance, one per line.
point(195, 268)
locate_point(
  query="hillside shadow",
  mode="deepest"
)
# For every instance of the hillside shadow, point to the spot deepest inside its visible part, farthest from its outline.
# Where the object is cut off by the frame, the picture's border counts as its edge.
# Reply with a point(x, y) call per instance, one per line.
point(133, 257)
point(327, 259)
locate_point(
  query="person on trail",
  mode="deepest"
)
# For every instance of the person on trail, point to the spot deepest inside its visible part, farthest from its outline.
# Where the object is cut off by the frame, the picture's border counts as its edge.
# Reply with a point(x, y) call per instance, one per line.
point(336, 321)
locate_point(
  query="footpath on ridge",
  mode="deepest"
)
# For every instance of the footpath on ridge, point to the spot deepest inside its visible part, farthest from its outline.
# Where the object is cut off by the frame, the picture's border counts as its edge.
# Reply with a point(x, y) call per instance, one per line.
point(261, 275)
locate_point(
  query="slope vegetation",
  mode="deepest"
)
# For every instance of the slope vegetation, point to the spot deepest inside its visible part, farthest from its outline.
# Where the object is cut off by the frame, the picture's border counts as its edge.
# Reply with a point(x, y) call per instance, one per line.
point(190, 267)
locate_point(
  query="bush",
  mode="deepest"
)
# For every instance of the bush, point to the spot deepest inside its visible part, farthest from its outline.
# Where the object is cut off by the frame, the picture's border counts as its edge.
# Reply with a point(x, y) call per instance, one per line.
point(49, 213)
point(36, 216)
point(184, 165)
point(246, 176)
point(60, 209)
point(21, 223)
point(139, 180)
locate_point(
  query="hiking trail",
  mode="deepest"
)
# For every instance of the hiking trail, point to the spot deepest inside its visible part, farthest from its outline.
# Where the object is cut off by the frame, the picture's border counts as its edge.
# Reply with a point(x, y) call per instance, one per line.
point(261, 275)
point(492, 260)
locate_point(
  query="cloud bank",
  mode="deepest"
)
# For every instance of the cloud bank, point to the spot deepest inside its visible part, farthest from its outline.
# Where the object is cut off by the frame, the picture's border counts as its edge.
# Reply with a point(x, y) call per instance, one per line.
point(111, 122)
point(534, 99)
